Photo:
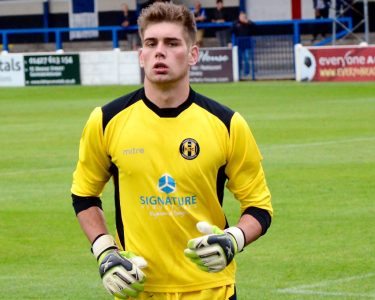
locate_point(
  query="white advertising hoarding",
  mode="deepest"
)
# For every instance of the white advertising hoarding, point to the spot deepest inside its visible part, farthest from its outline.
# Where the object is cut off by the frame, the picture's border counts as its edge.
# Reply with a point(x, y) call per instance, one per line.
point(12, 70)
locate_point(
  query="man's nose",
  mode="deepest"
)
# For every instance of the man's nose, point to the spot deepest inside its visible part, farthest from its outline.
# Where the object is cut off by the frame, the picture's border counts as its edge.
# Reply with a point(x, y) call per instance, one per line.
point(160, 49)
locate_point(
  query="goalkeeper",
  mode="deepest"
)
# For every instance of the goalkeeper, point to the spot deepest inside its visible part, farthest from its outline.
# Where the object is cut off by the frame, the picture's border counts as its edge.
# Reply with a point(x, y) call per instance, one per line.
point(170, 152)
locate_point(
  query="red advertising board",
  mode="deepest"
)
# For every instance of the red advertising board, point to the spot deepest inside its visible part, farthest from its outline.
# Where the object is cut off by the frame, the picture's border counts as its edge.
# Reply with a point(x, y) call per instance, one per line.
point(343, 63)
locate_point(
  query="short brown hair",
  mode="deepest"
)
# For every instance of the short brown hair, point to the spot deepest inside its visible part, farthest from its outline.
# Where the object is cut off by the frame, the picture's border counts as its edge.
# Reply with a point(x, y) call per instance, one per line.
point(168, 12)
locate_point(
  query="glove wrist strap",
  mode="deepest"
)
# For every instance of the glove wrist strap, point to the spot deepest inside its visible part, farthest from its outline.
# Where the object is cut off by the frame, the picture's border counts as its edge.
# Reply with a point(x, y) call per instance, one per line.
point(102, 244)
point(238, 235)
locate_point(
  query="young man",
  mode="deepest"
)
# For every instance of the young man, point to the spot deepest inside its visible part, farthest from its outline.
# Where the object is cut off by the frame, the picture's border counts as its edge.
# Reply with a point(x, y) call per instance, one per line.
point(170, 151)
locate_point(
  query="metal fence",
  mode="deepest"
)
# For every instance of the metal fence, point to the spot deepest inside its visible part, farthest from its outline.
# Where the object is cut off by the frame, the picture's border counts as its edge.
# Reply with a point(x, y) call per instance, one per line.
point(271, 56)
point(266, 57)
point(262, 56)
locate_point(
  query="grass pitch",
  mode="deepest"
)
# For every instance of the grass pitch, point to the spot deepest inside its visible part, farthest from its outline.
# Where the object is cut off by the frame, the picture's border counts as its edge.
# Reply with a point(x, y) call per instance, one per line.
point(318, 141)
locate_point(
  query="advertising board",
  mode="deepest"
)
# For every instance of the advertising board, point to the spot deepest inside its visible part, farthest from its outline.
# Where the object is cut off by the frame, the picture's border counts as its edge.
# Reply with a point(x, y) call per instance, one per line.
point(52, 69)
point(11, 70)
point(335, 63)
point(214, 65)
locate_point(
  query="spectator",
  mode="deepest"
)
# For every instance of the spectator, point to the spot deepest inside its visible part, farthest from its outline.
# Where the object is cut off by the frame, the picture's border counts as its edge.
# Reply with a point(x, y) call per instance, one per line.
point(200, 17)
point(221, 16)
point(243, 28)
point(321, 8)
point(129, 19)
point(344, 8)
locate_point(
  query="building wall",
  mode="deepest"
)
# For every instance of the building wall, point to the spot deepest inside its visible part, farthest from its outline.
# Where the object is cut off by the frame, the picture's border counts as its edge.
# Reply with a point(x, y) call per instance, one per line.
point(268, 10)
point(12, 11)
point(35, 7)
point(109, 67)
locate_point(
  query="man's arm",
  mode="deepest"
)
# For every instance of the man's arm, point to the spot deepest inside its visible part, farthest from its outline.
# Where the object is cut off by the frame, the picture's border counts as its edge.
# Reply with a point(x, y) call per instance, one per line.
point(250, 227)
point(92, 222)
point(216, 248)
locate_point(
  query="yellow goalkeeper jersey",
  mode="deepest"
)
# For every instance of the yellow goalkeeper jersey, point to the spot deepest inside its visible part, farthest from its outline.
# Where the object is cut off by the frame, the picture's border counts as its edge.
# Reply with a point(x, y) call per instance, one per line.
point(170, 167)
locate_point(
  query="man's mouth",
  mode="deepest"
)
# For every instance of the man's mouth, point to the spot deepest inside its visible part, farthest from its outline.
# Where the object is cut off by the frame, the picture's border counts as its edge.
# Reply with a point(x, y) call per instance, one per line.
point(160, 68)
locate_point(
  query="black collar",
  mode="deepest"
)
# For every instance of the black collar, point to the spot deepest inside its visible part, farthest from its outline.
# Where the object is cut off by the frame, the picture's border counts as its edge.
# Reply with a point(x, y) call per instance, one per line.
point(169, 112)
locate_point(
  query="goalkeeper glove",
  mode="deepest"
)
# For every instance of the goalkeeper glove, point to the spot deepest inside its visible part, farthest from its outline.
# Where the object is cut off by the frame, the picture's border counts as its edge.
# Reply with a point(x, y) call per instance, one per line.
point(216, 249)
point(120, 270)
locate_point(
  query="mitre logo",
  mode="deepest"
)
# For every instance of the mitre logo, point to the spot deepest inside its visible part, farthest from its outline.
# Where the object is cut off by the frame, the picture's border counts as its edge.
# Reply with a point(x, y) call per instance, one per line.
point(189, 149)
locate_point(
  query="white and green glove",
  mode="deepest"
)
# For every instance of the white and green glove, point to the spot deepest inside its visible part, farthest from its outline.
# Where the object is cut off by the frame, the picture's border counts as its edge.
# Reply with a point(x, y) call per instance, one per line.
point(120, 270)
point(215, 250)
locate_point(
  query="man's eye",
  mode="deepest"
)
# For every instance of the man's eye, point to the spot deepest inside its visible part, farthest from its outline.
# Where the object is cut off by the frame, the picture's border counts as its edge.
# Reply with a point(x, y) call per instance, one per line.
point(150, 44)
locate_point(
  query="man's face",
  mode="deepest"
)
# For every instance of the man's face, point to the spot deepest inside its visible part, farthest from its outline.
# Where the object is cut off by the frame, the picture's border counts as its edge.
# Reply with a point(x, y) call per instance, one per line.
point(166, 55)
point(243, 17)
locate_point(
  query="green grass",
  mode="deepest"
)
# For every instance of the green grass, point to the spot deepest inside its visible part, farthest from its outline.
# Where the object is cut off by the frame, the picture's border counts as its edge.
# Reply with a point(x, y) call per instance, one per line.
point(318, 143)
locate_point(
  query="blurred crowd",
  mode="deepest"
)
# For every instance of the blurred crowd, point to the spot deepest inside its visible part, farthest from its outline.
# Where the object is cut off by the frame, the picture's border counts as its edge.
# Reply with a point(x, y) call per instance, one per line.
point(233, 22)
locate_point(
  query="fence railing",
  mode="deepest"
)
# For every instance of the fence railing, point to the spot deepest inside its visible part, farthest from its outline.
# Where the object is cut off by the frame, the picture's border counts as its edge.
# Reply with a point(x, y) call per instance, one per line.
point(266, 57)
point(298, 24)
point(58, 31)
point(272, 56)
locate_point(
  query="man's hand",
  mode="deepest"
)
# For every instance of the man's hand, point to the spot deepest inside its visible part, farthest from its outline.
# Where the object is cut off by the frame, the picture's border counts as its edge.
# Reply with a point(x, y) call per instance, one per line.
point(120, 270)
point(121, 273)
point(216, 249)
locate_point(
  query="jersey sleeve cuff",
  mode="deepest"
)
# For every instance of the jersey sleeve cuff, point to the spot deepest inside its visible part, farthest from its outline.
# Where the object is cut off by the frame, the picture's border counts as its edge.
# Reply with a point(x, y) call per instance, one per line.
point(83, 203)
point(261, 215)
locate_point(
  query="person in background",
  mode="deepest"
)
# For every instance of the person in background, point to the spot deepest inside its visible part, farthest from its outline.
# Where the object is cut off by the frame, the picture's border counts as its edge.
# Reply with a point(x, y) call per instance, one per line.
point(344, 8)
point(170, 152)
point(200, 17)
point(129, 19)
point(321, 8)
point(221, 16)
point(243, 28)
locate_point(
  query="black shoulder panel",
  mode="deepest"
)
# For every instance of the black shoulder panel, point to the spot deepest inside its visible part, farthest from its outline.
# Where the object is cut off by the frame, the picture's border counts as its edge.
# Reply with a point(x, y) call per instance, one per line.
point(224, 113)
point(111, 109)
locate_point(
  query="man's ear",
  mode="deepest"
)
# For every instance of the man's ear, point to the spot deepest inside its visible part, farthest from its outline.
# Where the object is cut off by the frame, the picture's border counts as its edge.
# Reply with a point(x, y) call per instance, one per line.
point(193, 55)
point(140, 56)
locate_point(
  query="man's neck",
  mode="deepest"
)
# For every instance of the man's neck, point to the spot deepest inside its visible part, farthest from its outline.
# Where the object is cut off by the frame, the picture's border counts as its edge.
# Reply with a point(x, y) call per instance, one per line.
point(167, 95)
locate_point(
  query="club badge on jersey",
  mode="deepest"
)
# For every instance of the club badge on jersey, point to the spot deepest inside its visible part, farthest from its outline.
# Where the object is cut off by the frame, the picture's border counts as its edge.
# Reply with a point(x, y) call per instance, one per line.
point(189, 149)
